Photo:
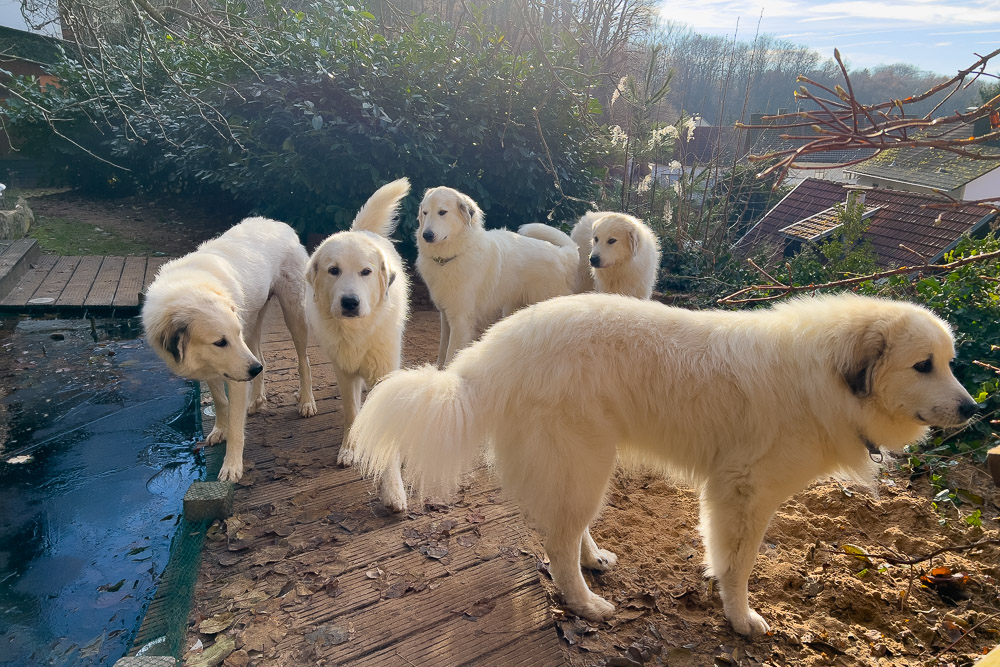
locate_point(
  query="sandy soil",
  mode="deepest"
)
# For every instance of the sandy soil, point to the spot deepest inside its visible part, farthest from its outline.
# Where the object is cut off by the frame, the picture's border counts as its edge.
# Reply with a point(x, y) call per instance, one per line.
point(825, 605)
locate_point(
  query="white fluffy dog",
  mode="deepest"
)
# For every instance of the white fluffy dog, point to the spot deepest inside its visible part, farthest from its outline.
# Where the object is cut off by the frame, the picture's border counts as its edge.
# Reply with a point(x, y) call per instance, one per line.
point(204, 312)
point(751, 406)
point(357, 309)
point(476, 276)
point(619, 254)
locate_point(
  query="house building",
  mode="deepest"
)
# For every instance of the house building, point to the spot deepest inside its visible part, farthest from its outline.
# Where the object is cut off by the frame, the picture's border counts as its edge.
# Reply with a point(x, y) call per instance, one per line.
point(901, 230)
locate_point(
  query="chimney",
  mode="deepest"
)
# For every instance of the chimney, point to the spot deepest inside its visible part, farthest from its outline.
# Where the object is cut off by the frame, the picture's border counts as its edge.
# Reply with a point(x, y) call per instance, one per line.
point(985, 125)
point(856, 196)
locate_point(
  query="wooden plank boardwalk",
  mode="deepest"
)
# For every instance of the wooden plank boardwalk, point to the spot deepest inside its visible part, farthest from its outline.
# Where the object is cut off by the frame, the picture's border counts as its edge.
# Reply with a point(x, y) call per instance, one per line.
point(97, 284)
point(316, 571)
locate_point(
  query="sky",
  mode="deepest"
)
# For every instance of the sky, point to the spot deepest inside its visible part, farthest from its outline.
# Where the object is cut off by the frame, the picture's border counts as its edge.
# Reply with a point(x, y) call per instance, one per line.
point(940, 36)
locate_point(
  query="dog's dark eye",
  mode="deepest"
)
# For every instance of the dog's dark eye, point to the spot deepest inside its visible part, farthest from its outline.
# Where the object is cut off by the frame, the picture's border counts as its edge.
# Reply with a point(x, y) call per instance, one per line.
point(222, 342)
point(442, 212)
point(334, 270)
point(925, 366)
point(596, 239)
point(366, 272)
point(612, 241)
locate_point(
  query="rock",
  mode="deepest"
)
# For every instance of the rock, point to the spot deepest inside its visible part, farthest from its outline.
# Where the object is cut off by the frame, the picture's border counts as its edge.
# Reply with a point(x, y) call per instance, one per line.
point(15, 224)
point(993, 463)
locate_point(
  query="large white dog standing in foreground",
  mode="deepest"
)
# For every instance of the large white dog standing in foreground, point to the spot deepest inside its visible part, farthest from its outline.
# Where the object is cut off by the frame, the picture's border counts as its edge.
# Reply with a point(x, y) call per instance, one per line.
point(476, 276)
point(204, 312)
point(357, 307)
point(619, 254)
point(751, 406)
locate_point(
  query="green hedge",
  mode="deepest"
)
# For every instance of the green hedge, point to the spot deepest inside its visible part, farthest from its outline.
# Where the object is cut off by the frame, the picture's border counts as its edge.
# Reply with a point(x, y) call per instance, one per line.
point(332, 111)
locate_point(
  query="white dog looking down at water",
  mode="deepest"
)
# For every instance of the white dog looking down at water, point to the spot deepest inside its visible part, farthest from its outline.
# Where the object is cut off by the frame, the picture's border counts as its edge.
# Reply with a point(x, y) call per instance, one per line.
point(476, 276)
point(751, 406)
point(204, 312)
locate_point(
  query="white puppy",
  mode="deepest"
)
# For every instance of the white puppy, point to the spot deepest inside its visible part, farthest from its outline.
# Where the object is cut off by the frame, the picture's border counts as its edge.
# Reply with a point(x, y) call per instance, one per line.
point(619, 254)
point(357, 309)
point(476, 276)
point(752, 406)
point(204, 312)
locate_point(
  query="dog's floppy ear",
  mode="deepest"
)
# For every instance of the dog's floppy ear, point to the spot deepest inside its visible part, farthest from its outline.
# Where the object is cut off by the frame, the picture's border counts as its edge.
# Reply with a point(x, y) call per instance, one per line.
point(633, 241)
point(385, 277)
point(863, 355)
point(175, 339)
point(469, 211)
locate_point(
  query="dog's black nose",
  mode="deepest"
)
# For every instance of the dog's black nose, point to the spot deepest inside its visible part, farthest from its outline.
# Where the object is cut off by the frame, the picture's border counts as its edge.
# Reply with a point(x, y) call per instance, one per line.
point(255, 369)
point(595, 261)
point(349, 302)
point(428, 236)
point(968, 410)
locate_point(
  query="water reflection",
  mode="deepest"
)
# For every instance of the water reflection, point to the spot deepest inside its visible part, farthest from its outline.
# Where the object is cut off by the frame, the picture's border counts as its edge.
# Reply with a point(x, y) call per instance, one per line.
point(86, 522)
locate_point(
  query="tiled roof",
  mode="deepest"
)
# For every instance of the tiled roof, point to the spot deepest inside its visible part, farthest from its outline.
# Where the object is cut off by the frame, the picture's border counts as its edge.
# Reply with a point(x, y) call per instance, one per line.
point(769, 141)
point(899, 221)
point(931, 167)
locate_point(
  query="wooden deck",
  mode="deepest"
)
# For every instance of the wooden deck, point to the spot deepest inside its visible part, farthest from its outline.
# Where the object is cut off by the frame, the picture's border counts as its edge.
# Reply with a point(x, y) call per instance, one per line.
point(92, 283)
point(316, 571)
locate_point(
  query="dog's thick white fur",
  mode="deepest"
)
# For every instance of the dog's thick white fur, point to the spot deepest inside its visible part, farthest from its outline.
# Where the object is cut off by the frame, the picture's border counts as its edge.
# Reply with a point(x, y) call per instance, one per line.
point(476, 276)
point(357, 309)
point(751, 406)
point(619, 254)
point(203, 315)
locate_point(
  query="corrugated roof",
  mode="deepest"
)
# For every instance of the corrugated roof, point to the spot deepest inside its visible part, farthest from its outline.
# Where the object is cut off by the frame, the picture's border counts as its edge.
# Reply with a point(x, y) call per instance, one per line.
point(819, 226)
point(931, 167)
point(901, 232)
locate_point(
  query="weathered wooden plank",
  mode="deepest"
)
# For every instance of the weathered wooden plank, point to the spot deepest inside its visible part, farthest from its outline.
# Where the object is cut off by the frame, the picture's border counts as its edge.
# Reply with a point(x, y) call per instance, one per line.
point(54, 284)
point(102, 292)
point(130, 283)
point(153, 265)
point(15, 260)
point(29, 282)
point(523, 613)
point(80, 282)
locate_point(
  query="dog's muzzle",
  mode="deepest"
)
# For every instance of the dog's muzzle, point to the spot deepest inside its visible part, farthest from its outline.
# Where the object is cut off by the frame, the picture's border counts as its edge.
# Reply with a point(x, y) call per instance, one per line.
point(349, 305)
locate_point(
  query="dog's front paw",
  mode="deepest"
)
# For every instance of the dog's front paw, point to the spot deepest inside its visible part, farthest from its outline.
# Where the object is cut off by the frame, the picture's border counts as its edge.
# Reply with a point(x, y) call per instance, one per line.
point(257, 403)
point(595, 608)
point(231, 471)
point(602, 560)
point(749, 623)
point(345, 457)
point(216, 436)
point(307, 409)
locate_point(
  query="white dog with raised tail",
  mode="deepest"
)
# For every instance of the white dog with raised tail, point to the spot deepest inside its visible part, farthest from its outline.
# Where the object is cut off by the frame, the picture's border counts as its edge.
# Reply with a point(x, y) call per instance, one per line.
point(751, 406)
point(476, 276)
point(357, 309)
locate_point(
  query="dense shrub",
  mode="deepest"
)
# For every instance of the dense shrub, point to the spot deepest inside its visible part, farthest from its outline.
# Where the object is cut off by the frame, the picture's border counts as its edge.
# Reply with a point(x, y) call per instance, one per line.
point(327, 108)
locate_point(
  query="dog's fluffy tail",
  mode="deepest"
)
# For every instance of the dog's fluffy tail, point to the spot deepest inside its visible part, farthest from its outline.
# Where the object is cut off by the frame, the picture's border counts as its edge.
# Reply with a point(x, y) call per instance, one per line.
point(537, 230)
point(378, 215)
point(426, 416)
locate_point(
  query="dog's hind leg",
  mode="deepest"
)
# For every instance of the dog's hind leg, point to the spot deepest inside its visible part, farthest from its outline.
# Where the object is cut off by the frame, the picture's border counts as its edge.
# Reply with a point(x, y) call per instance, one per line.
point(593, 557)
point(558, 474)
point(294, 314)
point(734, 517)
point(258, 398)
point(221, 403)
point(232, 464)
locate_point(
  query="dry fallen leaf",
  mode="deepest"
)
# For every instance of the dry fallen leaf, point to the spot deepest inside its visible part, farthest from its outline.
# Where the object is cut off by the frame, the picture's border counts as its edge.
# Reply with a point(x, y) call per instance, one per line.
point(217, 623)
point(479, 608)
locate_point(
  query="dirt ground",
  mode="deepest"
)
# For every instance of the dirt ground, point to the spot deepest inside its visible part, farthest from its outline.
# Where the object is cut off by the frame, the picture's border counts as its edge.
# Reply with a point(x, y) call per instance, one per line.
point(826, 604)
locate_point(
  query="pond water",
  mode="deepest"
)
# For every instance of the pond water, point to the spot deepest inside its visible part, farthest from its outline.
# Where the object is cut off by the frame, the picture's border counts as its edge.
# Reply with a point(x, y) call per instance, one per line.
point(96, 457)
